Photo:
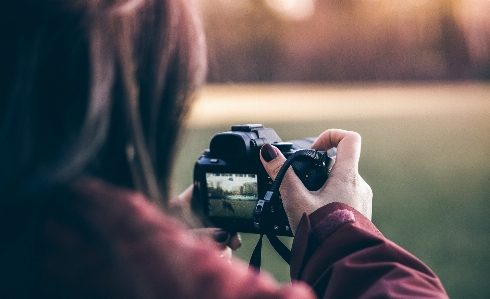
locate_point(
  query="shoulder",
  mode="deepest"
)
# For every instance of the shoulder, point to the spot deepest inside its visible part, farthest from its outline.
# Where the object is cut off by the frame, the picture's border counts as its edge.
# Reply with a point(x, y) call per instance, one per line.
point(114, 235)
point(121, 213)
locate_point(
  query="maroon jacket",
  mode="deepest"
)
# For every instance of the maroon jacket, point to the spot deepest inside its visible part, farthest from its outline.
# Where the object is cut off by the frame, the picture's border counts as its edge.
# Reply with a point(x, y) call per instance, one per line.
point(341, 254)
point(111, 242)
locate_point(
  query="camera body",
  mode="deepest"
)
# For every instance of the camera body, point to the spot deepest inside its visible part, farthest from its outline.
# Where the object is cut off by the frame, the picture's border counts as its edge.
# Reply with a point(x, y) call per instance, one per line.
point(229, 178)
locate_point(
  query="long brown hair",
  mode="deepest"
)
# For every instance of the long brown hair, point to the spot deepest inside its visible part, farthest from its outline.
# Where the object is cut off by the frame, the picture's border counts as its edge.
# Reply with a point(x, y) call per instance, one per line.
point(94, 87)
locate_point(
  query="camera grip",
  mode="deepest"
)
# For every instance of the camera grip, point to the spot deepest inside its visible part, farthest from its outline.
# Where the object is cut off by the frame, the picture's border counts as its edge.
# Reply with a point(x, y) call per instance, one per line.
point(313, 175)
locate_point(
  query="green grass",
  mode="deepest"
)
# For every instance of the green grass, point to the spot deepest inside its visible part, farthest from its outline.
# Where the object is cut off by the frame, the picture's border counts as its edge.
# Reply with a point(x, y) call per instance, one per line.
point(241, 208)
point(430, 177)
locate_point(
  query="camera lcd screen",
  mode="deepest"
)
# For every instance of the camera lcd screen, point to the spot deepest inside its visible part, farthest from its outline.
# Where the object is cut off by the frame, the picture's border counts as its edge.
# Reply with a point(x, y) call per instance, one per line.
point(232, 195)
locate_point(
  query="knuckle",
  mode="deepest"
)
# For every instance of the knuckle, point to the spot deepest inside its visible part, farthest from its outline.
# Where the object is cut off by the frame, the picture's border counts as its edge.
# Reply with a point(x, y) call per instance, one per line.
point(355, 135)
point(274, 168)
point(366, 189)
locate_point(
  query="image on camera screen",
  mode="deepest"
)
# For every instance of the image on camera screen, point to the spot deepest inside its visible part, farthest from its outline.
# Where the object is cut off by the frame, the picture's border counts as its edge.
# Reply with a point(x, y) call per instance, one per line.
point(232, 195)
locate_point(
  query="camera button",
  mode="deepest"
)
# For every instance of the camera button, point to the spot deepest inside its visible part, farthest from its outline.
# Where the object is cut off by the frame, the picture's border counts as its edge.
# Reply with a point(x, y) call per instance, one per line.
point(214, 160)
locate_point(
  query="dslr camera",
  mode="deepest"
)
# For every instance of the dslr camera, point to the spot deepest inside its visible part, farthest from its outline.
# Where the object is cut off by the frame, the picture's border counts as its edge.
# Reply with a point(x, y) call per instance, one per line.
point(229, 178)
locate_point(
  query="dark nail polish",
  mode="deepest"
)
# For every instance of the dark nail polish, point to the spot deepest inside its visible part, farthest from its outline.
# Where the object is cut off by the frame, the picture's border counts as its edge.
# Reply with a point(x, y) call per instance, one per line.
point(268, 152)
point(220, 236)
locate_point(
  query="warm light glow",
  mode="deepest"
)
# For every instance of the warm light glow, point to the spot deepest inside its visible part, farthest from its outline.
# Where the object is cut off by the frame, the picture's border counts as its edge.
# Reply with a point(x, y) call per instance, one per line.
point(293, 9)
point(224, 104)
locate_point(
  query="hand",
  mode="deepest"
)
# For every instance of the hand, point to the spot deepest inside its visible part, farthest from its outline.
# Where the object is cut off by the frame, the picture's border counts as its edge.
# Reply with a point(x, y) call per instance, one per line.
point(344, 184)
point(180, 206)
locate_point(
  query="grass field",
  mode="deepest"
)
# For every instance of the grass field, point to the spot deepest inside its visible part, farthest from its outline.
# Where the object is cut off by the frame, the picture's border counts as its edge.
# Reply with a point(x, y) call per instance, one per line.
point(241, 208)
point(425, 154)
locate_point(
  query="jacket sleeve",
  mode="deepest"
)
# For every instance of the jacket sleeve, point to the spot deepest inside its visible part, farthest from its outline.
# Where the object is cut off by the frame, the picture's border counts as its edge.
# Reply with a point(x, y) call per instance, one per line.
point(341, 254)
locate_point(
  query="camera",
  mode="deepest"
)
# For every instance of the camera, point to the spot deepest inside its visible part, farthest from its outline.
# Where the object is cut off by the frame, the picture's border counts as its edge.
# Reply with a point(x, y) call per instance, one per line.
point(229, 178)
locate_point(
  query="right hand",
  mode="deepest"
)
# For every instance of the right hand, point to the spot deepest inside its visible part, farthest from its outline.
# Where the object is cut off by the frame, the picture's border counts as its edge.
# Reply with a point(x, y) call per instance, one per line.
point(344, 184)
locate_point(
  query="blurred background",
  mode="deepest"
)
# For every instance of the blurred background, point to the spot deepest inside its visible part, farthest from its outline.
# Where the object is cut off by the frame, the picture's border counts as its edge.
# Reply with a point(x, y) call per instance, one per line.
point(339, 40)
point(411, 76)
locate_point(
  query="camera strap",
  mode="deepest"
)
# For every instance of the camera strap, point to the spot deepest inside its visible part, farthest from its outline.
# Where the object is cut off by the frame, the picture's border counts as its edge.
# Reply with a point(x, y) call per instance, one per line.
point(283, 250)
point(263, 209)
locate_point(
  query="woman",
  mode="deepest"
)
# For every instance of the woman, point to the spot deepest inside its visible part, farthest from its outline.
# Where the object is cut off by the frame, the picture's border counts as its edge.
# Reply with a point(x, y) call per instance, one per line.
point(93, 95)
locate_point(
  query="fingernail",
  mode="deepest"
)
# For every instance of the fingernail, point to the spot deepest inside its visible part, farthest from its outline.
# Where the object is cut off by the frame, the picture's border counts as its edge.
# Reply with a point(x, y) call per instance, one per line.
point(220, 236)
point(268, 152)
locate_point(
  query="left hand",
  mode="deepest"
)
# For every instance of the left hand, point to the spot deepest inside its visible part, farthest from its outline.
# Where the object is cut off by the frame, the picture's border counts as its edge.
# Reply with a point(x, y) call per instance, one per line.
point(226, 241)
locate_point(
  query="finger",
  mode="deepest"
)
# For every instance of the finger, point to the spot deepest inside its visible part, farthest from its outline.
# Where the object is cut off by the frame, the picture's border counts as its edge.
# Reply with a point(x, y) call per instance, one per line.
point(348, 146)
point(272, 159)
point(219, 236)
point(235, 241)
point(291, 187)
point(295, 199)
point(222, 238)
point(272, 167)
point(226, 254)
point(183, 198)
